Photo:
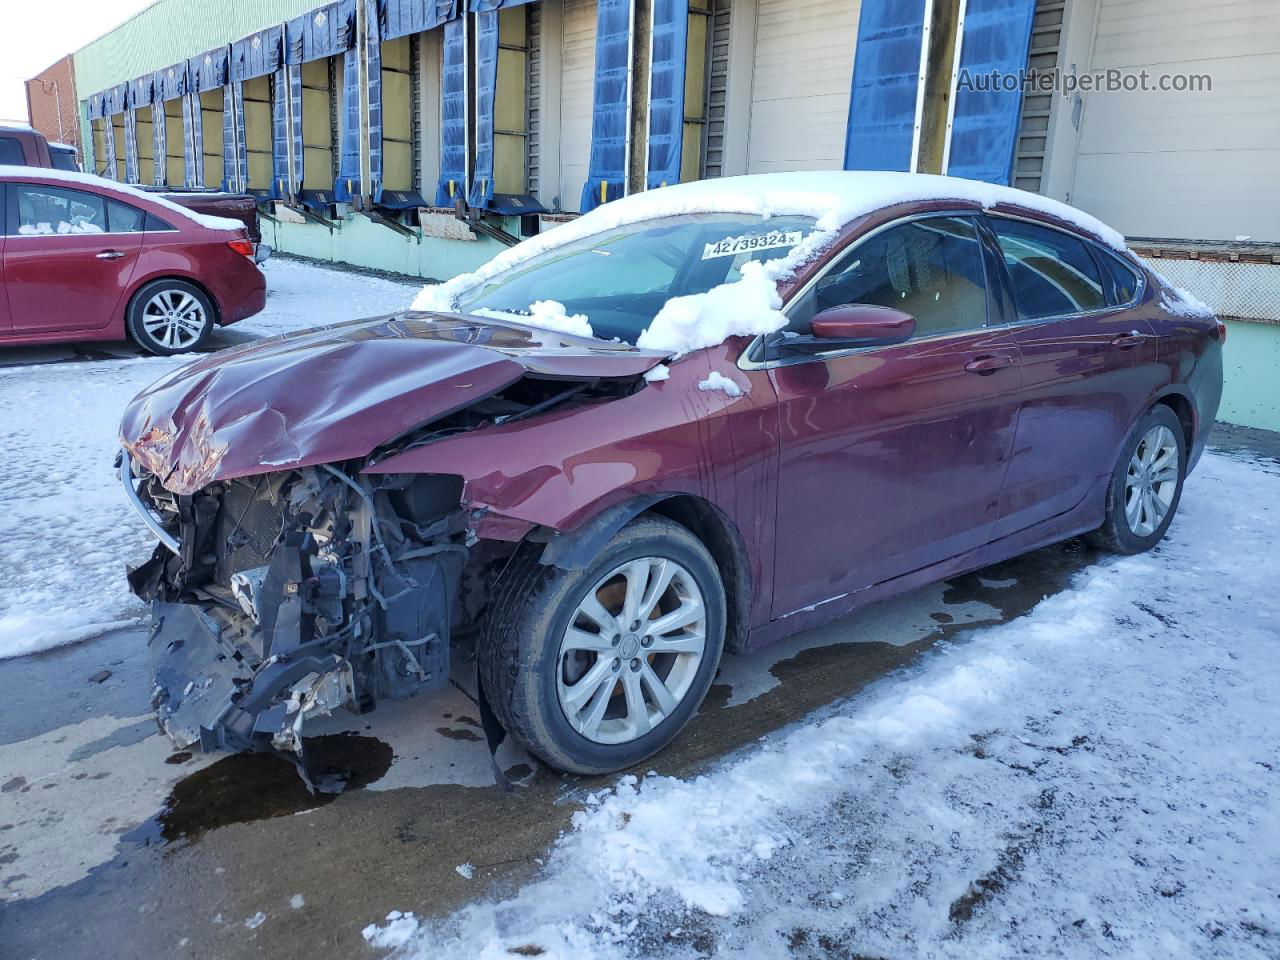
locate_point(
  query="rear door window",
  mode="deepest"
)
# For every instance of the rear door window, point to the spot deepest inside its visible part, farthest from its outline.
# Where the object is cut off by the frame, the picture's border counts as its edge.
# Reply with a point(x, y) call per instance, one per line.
point(52, 211)
point(1052, 274)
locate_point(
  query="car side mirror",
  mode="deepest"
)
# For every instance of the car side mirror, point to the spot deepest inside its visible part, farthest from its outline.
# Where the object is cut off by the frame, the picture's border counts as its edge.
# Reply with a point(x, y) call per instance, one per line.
point(853, 325)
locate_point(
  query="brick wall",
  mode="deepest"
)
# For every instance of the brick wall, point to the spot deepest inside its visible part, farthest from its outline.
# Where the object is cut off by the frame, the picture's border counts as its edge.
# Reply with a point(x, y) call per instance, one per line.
point(43, 106)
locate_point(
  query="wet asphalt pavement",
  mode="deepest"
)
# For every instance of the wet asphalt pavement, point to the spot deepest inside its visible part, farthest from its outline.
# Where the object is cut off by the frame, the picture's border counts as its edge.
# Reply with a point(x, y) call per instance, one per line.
point(111, 845)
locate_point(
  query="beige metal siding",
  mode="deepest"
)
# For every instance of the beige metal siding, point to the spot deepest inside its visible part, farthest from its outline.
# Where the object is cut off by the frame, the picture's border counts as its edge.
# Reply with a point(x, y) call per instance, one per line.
point(717, 88)
point(800, 89)
point(1186, 165)
point(1033, 125)
point(577, 82)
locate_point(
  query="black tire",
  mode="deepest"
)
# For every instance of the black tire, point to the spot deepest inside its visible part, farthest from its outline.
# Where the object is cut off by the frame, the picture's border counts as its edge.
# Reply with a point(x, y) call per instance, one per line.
point(135, 317)
point(1117, 534)
point(520, 657)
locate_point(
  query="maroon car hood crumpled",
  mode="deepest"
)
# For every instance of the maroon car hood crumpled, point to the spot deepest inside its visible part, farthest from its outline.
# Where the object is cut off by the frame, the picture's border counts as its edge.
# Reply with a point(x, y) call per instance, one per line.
point(337, 393)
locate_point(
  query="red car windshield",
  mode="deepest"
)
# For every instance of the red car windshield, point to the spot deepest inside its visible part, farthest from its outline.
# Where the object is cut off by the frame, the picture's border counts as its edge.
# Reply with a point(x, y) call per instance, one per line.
point(621, 278)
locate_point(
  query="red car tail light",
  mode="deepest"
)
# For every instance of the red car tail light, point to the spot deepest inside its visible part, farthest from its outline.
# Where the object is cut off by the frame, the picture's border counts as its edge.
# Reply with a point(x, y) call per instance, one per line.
point(1222, 332)
point(242, 247)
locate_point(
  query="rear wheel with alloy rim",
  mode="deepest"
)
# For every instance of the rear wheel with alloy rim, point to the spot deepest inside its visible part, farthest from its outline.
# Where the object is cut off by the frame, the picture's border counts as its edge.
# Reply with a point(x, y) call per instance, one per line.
point(1146, 485)
point(170, 316)
point(594, 670)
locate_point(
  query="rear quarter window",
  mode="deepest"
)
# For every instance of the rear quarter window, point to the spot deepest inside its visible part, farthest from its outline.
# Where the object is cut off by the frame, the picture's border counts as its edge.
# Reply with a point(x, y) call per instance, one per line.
point(1124, 283)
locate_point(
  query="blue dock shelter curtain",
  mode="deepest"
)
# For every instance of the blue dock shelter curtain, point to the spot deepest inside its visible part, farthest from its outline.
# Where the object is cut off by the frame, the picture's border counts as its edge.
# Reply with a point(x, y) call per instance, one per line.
point(113, 102)
point(666, 90)
point(137, 94)
point(130, 147)
point(984, 127)
point(109, 140)
point(886, 74)
point(171, 83)
point(159, 135)
point(374, 24)
point(324, 32)
point(611, 106)
point(230, 142)
point(348, 184)
point(260, 54)
point(205, 71)
point(141, 90)
point(481, 194)
point(453, 125)
point(388, 20)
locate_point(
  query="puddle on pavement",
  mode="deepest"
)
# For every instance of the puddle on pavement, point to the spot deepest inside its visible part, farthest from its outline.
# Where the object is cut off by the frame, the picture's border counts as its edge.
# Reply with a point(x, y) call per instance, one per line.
point(243, 787)
point(1016, 585)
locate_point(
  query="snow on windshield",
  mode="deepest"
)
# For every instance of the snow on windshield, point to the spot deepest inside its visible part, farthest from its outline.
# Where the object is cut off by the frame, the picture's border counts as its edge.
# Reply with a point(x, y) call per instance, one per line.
point(749, 305)
point(547, 314)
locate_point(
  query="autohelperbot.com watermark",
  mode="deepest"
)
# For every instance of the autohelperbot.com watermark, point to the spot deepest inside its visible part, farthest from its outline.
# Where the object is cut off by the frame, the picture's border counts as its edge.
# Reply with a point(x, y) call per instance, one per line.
point(1069, 83)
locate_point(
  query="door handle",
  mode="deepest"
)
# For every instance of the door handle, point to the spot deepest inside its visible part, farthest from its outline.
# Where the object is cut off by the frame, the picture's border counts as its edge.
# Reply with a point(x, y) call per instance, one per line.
point(110, 255)
point(989, 364)
point(1127, 341)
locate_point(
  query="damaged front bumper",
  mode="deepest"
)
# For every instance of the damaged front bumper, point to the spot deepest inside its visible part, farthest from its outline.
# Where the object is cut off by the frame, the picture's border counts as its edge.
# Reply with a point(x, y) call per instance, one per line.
point(281, 598)
point(207, 695)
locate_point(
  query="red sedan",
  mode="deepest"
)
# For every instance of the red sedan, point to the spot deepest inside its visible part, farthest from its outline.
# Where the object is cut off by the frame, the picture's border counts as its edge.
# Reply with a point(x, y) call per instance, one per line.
point(82, 258)
point(696, 420)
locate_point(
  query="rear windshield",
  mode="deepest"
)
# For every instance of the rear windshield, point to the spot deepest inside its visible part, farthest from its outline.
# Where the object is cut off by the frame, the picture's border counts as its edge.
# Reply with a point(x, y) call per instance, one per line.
point(621, 278)
point(63, 160)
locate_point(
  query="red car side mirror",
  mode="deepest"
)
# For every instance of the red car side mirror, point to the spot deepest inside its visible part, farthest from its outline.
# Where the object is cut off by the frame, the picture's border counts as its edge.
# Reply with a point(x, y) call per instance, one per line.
point(865, 323)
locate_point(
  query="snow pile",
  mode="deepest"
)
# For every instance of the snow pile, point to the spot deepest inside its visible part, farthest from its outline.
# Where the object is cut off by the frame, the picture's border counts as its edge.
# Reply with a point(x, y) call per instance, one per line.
point(1099, 778)
point(257, 920)
point(546, 314)
point(717, 381)
point(124, 190)
point(1183, 303)
point(658, 374)
point(465, 870)
point(66, 527)
point(399, 929)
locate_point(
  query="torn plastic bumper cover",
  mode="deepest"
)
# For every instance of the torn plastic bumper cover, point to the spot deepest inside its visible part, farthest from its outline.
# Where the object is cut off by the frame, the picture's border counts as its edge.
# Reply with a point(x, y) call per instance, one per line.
point(292, 594)
point(207, 695)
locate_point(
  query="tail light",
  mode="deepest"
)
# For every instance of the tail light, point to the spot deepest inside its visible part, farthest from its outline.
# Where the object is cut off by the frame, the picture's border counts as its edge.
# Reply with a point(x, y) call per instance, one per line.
point(242, 247)
point(1222, 332)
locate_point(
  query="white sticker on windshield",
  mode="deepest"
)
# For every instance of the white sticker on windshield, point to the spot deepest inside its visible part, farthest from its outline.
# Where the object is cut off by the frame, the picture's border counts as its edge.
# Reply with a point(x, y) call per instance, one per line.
point(732, 246)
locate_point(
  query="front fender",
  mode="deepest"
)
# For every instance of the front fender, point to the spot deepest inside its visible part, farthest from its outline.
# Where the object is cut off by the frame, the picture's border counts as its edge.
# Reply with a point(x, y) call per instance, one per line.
point(567, 466)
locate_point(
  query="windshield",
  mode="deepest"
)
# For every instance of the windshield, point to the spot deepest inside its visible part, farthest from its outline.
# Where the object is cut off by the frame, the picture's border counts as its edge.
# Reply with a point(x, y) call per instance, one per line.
point(619, 279)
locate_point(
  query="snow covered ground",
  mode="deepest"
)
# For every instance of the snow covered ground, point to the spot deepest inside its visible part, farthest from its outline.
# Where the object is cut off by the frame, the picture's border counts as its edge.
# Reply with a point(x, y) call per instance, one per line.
point(61, 508)
point(1099, 778)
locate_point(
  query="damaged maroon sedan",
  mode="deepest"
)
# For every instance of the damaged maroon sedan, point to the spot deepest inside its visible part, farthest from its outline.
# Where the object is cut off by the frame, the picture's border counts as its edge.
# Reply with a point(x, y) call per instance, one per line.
point(698, 419)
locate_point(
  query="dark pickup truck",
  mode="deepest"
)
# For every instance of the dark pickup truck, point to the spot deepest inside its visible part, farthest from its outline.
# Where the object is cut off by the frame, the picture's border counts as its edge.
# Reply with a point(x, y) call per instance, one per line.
point(26, 147)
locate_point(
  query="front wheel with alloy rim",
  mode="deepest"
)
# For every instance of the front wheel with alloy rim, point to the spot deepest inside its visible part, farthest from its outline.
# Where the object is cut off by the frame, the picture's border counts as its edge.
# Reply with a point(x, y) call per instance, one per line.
point(594, 670)
point(170, 316)
point(1146, 484)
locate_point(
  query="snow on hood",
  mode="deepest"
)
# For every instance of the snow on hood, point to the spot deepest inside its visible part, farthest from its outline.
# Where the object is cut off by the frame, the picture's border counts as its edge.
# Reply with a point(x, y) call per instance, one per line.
point(750, 305)
point(101, 183)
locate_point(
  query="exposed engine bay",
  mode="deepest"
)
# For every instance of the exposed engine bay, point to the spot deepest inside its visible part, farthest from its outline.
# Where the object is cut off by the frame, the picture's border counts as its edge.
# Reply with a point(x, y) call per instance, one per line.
point(295, 593)
point(286, 595)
